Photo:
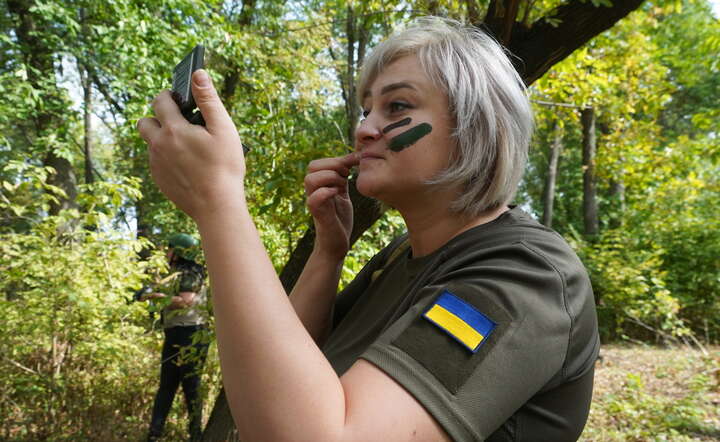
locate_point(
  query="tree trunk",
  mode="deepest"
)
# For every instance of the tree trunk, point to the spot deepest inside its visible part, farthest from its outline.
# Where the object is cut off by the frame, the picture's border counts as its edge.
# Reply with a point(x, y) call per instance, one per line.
point(39, 58)
point(537, 49)
point(86, 83)
point(87, 119)
point(352, 110)
point(501, 19)
point(64, 178)
point(590, 204)
point(617, 194)
point(548, 197)
point(220, 426)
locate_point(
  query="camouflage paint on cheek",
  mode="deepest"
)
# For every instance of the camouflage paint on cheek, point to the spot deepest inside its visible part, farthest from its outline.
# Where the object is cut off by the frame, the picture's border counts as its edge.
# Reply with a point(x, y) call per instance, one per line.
point(403, 122)
point(409, 137)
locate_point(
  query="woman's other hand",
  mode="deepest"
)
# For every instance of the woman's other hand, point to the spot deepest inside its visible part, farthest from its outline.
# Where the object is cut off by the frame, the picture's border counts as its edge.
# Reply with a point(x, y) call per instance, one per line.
point(200, 169)
point(326, 187)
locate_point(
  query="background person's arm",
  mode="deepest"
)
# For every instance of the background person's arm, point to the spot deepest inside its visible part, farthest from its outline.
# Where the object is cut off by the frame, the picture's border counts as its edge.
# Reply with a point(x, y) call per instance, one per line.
point(182, 300)
point(152, 295)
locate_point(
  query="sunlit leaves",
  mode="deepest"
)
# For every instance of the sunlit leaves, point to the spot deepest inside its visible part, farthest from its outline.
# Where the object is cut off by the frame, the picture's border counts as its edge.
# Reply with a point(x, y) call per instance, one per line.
point(652, 89)
point(73, 340)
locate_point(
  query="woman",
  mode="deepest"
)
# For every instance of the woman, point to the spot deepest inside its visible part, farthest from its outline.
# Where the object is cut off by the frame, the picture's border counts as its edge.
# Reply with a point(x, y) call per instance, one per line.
point(483, 327)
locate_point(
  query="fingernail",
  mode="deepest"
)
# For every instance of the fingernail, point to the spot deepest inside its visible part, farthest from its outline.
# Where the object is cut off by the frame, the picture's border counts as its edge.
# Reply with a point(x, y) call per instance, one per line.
point(201, 78)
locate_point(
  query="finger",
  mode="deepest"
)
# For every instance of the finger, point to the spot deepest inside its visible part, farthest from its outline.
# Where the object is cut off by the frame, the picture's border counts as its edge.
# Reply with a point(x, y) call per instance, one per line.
point(166, 110)
point(321, 203)
point(147, 127)
point(324, 178)
point(351, 159)
point(208, 101)
point(341, 165)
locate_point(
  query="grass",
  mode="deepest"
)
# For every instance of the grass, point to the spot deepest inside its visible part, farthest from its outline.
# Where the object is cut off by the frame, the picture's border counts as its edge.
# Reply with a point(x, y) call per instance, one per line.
point(645, 393)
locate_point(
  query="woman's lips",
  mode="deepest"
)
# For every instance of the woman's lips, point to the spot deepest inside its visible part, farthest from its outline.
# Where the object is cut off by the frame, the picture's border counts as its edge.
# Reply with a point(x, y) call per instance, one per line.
point(370, 156)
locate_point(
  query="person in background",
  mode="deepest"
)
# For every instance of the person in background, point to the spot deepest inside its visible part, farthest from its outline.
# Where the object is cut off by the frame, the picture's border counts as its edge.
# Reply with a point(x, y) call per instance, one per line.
point(478, 324)
point(183, 317)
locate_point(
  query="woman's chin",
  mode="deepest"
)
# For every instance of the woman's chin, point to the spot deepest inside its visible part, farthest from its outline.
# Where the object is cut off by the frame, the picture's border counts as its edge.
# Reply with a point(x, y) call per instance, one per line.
point(361, 183)
point(366, 186)
point(387, 193)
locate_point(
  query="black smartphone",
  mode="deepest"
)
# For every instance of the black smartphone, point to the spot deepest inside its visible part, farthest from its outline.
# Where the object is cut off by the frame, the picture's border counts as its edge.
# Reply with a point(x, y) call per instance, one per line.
point(181, 90)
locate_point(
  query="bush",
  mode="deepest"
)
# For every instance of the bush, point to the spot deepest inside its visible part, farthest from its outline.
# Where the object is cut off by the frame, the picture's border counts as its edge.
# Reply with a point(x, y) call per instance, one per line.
point(630, 291)
point(77, 359)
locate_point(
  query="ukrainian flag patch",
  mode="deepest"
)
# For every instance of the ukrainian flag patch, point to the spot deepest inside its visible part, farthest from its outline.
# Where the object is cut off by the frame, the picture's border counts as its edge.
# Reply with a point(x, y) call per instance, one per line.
point(460, 320)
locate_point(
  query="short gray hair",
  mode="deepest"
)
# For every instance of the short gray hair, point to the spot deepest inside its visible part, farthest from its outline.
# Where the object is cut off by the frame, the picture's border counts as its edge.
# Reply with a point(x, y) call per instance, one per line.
point(492, 113)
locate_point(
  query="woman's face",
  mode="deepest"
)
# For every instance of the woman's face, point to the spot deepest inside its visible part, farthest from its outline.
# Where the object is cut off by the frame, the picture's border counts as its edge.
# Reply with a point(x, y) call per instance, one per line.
point(404, 139)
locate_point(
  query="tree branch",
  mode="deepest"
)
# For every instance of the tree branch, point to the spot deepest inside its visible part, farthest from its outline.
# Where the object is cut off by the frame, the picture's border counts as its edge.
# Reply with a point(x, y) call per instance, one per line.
point(554, 37)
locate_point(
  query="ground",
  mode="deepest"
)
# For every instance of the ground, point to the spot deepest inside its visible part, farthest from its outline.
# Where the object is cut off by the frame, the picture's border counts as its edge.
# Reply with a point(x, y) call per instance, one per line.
point(645, 393)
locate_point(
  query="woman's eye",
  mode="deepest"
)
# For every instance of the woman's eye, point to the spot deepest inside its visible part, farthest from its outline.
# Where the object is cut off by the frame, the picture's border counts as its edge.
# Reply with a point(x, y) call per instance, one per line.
point(365, 113)
point(398, 106)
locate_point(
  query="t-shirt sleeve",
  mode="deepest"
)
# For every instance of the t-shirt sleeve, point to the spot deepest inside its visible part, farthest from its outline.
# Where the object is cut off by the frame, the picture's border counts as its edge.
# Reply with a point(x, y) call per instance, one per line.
point(480, 341)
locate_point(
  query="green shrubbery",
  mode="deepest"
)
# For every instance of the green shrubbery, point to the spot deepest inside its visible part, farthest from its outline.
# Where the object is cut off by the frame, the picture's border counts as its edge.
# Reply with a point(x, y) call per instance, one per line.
point(77, 358)
point(630, 290)
point(657, 274)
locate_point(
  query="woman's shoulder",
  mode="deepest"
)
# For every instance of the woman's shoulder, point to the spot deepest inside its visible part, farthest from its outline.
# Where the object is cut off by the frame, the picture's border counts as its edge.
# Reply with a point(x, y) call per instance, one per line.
point(514, 237)
point(511, 226)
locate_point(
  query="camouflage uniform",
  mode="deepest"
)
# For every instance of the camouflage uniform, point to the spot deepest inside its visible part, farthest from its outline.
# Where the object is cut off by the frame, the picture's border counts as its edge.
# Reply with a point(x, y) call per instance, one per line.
point(182, 359)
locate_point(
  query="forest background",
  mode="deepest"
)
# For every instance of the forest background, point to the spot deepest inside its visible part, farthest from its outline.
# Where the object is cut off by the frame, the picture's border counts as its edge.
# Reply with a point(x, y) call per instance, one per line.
point(624, 164)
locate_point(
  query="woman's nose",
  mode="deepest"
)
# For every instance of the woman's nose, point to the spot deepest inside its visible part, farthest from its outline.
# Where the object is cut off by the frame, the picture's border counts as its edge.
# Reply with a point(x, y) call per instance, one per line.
point(367, 132)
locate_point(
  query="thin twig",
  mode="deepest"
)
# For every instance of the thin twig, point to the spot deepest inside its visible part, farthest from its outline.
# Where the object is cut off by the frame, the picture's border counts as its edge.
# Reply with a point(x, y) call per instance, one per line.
point(550, 103)
point(700, 346)
point(652, 329)
point(19, 365)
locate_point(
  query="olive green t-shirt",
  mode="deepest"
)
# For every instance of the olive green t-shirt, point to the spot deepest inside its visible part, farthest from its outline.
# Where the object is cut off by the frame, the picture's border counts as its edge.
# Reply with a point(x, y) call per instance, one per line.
point(511, 361)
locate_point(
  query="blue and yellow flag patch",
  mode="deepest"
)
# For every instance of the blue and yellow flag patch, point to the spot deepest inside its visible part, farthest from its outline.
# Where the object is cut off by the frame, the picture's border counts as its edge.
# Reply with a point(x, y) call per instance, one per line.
point(460, 320)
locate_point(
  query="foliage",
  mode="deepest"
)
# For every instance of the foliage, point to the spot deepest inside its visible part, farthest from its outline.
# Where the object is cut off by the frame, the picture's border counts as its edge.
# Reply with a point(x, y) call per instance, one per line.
point(658, 418)
point(653, 266)
point(76, 341)
point(629, 288)
point(678, 218)
point(82, 361)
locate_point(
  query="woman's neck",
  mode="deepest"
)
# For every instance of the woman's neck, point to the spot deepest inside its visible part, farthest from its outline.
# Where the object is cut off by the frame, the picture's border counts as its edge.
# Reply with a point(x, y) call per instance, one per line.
point(430, 228)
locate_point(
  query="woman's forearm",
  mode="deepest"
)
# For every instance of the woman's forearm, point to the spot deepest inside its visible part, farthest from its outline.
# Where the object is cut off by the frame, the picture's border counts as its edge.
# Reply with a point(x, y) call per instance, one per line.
point(279, 384)
point(314, 295)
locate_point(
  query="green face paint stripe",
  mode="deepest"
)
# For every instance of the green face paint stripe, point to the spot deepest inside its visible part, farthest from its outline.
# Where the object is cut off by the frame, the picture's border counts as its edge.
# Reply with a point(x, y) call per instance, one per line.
point(409, 137)
point(403, 122)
